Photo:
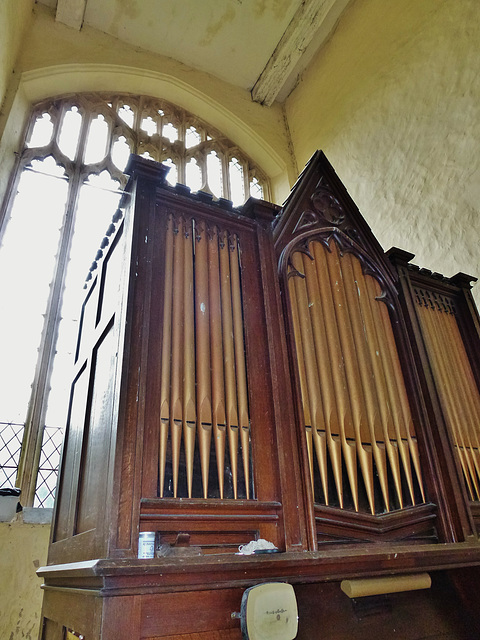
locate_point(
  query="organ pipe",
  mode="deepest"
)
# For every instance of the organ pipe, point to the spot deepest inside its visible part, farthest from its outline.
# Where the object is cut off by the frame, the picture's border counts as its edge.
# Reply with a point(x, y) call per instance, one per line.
point(203, 387)
point(353, 395)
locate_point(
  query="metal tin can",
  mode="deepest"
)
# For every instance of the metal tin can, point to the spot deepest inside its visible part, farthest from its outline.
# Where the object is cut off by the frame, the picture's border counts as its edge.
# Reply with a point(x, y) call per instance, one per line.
point(146, 544)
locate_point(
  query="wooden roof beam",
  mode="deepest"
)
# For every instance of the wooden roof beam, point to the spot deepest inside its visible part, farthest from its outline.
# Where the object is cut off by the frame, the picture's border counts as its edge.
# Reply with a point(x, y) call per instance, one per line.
point(71, 12)
point(309, 28)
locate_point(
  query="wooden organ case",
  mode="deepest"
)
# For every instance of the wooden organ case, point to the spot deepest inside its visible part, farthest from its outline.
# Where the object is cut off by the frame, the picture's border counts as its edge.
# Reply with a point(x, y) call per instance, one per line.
point(265, 373)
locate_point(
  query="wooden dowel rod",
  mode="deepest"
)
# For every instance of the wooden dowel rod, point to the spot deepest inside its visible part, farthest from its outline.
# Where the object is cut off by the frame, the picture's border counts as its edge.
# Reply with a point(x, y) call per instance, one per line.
point(361, 587)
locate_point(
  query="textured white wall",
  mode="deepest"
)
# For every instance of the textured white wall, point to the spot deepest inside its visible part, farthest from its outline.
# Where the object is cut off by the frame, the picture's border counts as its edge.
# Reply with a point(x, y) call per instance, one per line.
point(394, 101)
point(23, 550)
point(14, 18)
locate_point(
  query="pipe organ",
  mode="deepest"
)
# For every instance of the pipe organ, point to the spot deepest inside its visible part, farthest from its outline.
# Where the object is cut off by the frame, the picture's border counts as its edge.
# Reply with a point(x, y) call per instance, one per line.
point(264, 373)
point(353, 394)
point(203, 371)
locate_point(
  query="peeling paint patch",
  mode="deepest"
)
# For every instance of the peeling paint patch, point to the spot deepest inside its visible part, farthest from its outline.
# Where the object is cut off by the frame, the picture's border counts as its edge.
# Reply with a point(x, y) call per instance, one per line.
point(213, 29)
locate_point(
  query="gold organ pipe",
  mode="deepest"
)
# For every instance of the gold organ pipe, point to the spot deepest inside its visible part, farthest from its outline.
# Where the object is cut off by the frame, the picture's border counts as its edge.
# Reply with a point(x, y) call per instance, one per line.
point(351, 370)
point(468, 386)
point(324, 370)
point(166, 353)
point(313, 383)
point(361, 335)
point(337, 366)
point(450, 395)
point(432, 345)
point(240, 368)
point(229, 358)
point(468, 393)
point(387, 346)
point(385, 428)
point(176, 416)
point(189, 414)
point(202, 327)
point(459, 402)
point(404, 403)
point(302, 374)
point(216, 348)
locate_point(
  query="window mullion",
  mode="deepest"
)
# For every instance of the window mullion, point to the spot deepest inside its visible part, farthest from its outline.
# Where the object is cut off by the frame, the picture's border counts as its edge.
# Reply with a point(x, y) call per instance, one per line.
point(33, 436)
point(34, 424)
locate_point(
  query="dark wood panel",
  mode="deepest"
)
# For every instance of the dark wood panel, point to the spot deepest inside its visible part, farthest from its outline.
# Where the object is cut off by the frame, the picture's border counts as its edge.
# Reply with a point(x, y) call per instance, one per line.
point(224, 634)
point(76, 611)
point(326, 613)
point(96, 445)
point(66, 496)
point(111, 282)
point(206, 611)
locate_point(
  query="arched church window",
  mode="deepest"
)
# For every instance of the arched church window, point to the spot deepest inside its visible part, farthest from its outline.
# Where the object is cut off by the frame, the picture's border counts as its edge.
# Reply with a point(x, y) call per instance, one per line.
point(63, 195)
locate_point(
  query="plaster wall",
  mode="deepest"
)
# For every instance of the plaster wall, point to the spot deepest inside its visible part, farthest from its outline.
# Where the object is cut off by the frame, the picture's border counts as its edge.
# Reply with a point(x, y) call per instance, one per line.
point(14, 19)
point(393, 99)
point(23, 548)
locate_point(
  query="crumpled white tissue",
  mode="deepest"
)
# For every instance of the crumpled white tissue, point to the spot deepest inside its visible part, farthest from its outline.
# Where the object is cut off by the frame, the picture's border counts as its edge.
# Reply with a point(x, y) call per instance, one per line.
point(250, 548)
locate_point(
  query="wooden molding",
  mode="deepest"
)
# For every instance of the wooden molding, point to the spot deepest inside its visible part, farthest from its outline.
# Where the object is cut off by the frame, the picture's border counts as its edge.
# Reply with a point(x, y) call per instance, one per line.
point(311, 25)
point(71, 13)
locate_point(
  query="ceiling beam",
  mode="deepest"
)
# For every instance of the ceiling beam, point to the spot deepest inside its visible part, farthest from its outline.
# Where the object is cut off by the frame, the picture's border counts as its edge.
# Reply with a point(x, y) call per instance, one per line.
point(71, 12)
point(311, 25)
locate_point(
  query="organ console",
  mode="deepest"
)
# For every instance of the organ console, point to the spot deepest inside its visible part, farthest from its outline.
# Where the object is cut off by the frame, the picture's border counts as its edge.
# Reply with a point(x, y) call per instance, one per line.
point(265, 373)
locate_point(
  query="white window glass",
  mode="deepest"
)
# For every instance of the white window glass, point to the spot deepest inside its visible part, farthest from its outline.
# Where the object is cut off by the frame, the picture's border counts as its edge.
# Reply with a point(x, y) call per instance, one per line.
point(172, 175)
point(192, 137)
point(27, 255)
point(170, 132)
point(42, 131)
point(193, 175)
point(70, 132)
point(149, 125)
point(120, 152)
point(98, 201)
point(97, 140)
point(214, 174)
point(256, 189)
point(237, 185)
point(127, 115)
